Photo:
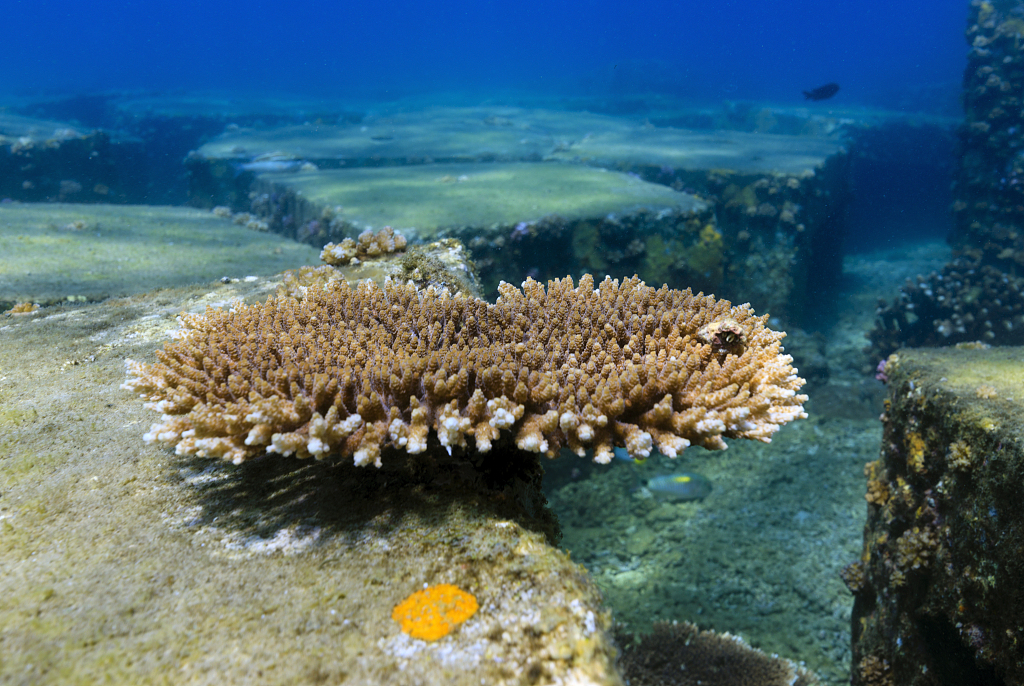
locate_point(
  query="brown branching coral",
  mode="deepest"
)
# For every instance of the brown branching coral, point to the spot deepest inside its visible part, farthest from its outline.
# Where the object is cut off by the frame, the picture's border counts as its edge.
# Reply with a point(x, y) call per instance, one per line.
point(348, 371)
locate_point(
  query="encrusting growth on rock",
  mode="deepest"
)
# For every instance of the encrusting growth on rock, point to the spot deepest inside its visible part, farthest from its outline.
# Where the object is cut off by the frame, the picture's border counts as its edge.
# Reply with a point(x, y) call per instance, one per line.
point(432, 613)
point(348, 371)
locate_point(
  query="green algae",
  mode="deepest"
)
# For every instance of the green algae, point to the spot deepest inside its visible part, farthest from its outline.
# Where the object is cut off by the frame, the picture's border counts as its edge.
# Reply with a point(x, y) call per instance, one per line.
point(430, 198)
point(90, 252)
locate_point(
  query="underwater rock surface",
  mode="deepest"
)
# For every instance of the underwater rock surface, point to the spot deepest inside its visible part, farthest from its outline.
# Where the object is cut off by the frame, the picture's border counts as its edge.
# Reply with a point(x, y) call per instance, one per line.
point(752, 217)
point(53, 161)
point(938, 586)
point(51, 252)
point(516, 218)
point(126, 564)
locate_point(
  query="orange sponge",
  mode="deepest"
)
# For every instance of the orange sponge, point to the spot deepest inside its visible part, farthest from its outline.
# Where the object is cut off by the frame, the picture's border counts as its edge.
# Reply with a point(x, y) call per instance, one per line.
point(433, 612)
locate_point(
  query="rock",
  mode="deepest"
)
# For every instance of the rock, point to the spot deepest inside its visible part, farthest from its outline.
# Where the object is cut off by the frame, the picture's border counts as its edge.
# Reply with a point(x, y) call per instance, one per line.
point(125, 563)
point(640, 542)
point(938, 586)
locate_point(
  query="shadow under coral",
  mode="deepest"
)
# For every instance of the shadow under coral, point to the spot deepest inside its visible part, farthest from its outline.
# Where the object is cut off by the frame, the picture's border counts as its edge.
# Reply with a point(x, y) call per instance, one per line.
point(264, 495)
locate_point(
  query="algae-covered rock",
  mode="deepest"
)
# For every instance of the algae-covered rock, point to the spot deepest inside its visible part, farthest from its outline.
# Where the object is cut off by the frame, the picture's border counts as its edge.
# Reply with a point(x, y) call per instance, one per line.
point(432, 134)
point(50, 252)
point(938, 587)
point(523, 189)
point(429, 200)
point(47, 160)
point(124, 563)
point(516, 218)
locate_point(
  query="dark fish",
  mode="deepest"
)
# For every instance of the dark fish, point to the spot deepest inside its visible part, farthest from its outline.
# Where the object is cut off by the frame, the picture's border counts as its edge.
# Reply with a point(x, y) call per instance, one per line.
point(822, 92)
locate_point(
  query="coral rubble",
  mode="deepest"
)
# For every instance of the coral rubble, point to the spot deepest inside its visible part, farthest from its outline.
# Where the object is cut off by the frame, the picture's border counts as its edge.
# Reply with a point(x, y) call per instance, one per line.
point(349, 371)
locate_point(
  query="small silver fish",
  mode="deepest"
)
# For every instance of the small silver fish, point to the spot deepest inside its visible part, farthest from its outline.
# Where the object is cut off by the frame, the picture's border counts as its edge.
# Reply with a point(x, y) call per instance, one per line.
point(678, 487)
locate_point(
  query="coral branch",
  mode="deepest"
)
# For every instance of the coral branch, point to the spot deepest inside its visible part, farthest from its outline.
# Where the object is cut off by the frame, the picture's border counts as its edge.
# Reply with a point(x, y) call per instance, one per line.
point(349, 371)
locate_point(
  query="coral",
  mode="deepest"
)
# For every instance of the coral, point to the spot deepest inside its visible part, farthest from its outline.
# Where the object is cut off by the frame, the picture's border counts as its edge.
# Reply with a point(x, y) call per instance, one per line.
point(915, 452)
point(705, 256)
point(370, 244)
point(960, 457)
point(23, 308)
point(442, 264)
point(914, 550)
point(658, 259)
point(874, 671)
point(683, 655)
point(432, 613)
point(966, 302)
point(296, 282)
point(986, 392)
point(348, 371)
point(735, 196)
point(854, 576)
point(878, 489)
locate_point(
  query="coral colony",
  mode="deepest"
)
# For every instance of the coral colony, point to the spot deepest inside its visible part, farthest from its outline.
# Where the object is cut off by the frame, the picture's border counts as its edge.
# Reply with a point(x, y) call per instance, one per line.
point(349, 371)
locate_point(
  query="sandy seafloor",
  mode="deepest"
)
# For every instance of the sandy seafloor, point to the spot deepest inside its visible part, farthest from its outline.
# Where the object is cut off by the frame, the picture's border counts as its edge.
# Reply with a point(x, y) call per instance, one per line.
point(761, 555)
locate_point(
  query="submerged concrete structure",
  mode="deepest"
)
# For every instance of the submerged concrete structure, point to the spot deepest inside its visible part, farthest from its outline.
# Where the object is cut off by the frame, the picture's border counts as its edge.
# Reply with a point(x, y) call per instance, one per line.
point(754, 217)
point(938, 586)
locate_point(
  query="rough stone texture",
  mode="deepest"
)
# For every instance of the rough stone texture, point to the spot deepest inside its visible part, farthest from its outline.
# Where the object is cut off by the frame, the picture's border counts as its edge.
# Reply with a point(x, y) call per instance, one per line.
point(938, 588)
point(780, 202)
point(989, 191)
point(125, 564)
point(683, 655)
point(53, 252)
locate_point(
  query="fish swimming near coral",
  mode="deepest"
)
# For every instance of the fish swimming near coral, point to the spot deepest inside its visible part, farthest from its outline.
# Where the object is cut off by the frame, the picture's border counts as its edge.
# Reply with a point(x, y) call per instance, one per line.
point(822, 92)
point(678, 487)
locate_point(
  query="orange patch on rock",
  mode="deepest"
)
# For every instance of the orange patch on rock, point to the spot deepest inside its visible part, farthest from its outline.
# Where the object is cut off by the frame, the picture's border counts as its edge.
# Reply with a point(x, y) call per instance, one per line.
point(433, 612)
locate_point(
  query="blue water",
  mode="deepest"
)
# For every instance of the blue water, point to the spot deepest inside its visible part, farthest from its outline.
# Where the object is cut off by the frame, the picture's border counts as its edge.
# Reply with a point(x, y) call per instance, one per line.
point(881, 52)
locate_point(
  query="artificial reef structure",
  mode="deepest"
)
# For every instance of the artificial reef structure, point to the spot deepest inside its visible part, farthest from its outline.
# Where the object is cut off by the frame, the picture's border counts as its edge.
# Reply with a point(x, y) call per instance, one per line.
point(749, 215)
point(977, 295)
point(937, 590)
point(439, 564)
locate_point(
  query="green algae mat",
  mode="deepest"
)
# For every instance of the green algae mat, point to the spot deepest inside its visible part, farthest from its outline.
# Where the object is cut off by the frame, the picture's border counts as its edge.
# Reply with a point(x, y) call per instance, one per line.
point(484, 134)
point(442, 134)
point(52, 252)
point(439, 196)
point(735, 151)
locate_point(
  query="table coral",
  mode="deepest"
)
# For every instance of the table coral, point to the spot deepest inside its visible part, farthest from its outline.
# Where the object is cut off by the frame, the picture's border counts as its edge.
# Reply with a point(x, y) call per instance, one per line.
point(435, 611)
point(347, 371)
